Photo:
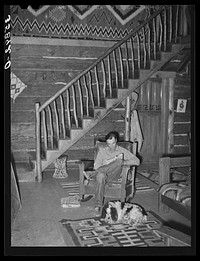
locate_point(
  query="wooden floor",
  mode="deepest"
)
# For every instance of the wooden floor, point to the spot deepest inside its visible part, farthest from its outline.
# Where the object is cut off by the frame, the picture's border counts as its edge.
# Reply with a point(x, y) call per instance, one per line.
point(36, 221)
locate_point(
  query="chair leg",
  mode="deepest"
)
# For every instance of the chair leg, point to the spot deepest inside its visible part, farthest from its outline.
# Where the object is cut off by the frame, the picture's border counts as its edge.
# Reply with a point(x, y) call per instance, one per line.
point(81, 181)
point(123, 195)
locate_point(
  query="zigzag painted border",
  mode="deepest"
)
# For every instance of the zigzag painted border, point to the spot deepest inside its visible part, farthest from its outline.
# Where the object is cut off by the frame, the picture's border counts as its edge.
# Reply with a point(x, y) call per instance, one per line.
point(102, 16)
point(70, 29)
point(123, 22)
point(91, 9)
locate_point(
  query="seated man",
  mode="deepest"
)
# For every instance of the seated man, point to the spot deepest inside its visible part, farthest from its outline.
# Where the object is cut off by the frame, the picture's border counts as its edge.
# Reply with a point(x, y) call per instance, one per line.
point(108, 165)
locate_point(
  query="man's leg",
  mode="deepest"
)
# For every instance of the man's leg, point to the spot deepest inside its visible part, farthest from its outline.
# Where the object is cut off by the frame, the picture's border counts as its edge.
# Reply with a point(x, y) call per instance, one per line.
point(108, 173)
point(100, 178)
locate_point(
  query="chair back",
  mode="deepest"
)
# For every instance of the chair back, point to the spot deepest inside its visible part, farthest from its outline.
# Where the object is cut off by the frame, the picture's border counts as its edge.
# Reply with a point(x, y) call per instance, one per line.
point(125, 144)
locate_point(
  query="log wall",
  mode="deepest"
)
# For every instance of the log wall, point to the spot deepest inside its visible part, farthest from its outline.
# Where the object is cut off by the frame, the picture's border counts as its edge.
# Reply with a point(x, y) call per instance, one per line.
point(46, 68)
point(182, 121)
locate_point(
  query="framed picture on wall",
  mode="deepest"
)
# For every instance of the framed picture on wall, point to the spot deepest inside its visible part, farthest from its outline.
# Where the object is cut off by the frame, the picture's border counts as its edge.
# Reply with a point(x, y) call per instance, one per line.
point(181, 105)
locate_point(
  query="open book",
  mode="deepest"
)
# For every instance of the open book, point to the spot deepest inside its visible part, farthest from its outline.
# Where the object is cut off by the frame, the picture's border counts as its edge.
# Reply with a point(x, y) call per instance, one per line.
point(120, 156)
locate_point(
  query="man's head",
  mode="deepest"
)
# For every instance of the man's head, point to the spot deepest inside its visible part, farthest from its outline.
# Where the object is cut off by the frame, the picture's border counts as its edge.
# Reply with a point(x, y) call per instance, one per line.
point(112, 138)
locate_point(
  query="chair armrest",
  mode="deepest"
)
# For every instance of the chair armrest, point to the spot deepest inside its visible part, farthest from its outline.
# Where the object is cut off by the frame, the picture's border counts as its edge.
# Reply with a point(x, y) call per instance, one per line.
point(85, 164)
point(124, 174)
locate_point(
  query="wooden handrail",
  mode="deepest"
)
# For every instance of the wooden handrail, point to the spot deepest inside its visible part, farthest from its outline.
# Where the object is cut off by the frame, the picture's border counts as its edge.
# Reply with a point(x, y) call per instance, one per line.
point(118, 44)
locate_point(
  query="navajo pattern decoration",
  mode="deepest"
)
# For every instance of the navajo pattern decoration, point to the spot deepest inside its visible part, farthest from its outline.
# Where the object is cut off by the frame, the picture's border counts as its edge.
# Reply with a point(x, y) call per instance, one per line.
point(94, 22)
point(16, 86)
point(95, 232)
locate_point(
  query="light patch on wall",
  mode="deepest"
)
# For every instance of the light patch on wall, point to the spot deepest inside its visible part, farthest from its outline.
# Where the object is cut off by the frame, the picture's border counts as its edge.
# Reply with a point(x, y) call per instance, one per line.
point(181, 105)
point(16, 86)
point(57, 14)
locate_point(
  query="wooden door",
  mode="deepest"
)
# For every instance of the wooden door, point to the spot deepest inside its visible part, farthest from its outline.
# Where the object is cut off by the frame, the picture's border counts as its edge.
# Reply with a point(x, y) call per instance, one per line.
point(155, 113)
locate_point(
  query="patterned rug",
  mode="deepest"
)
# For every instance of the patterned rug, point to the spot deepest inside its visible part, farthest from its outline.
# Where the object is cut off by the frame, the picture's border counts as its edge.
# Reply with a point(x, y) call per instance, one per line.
point(72, 188)
point(94, 232)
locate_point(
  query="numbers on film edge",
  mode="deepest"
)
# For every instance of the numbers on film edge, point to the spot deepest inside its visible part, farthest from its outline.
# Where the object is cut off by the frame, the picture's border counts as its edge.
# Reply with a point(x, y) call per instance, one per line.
point(7, 42)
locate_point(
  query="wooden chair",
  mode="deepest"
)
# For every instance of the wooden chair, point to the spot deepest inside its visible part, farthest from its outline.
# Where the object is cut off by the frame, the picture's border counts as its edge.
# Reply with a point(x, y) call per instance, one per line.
point(122, 189)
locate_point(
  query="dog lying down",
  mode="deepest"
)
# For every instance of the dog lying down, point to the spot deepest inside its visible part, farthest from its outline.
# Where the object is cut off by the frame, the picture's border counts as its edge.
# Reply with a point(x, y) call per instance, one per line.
point(115, 211)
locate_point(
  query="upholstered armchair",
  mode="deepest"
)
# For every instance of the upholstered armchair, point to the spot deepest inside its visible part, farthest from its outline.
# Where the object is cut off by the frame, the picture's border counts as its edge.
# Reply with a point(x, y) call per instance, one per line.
point(122, 188)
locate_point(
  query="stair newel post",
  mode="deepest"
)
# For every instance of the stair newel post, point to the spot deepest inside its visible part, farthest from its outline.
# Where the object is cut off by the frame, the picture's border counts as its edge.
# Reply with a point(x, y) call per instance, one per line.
point(38, 155)
point(171, 116)
point(127, 118)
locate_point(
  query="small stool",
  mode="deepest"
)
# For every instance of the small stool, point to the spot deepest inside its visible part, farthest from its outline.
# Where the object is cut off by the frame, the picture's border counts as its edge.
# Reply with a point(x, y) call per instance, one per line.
point(60, 168)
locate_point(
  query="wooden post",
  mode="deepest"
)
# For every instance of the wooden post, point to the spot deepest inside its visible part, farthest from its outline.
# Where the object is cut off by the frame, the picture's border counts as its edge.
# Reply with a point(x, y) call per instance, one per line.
point(164, 114)
point(171, 117)
point(127, 119)
point(164, 177)
point(164, 169)
point(37, 133)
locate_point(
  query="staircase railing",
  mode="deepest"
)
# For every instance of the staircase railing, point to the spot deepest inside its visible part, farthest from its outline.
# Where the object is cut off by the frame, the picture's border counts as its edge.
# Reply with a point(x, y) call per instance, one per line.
point(77, 100)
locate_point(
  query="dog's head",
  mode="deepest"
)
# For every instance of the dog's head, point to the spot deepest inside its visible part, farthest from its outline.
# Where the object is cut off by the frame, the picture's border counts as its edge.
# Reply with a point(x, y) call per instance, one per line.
point(110, 211)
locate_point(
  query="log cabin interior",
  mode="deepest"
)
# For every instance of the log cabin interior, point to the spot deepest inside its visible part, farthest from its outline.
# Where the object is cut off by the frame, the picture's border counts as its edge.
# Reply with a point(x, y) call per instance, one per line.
point(80, 71)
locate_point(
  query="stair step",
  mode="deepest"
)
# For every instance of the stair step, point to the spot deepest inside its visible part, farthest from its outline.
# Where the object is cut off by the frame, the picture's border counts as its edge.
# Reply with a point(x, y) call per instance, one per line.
point(86, 122)
point(164, 74)
point(122, 93)
point(99, 113)
point(74, 134)
point(143, 73)
point(153, 64)
point(165, 55)
point(110, 102)
point(178, 46)
point(133, 83)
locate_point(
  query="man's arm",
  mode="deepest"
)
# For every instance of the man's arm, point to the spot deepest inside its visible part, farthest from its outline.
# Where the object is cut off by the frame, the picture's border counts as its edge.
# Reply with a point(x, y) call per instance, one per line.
point(130, 158)
point(100, 163)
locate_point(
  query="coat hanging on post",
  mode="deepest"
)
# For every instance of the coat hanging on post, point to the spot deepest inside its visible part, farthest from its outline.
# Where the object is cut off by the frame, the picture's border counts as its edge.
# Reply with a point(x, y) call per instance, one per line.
point(136, 133)
point(129, 105)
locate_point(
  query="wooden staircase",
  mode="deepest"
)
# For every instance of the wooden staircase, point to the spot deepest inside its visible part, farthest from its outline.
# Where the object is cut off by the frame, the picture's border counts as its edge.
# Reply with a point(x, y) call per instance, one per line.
point(98, 90)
